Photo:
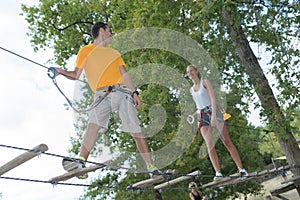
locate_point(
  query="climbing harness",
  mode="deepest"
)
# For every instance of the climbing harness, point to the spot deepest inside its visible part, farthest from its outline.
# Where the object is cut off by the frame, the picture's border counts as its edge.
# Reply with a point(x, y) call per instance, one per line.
point(52, 73)
point(207, 111)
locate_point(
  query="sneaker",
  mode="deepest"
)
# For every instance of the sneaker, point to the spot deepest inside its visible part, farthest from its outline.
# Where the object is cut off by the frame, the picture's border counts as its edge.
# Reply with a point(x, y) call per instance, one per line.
point(72, 164)
point(243, 172)
point(154, 171)
point(218, 176)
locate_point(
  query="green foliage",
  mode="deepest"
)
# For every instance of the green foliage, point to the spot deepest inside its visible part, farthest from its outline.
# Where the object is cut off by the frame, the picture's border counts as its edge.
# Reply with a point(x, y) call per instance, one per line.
point(64, 25)
point(296, 123)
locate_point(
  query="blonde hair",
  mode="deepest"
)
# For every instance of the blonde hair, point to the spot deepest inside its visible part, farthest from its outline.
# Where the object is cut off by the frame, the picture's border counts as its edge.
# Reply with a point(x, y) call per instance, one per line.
point(195, 68)
point(192, 184)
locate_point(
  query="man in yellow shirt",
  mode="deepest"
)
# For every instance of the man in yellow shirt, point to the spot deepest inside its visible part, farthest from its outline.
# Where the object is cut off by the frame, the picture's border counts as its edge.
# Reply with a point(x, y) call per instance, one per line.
point(104, 69)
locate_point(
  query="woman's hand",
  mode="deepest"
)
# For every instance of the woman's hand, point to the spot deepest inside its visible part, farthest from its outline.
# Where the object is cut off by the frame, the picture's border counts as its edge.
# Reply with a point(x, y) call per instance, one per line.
point(213, 121)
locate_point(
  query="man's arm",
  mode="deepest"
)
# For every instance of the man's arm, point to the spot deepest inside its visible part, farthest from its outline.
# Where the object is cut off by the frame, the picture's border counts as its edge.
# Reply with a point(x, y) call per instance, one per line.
point(72, 75)
point(128, 82)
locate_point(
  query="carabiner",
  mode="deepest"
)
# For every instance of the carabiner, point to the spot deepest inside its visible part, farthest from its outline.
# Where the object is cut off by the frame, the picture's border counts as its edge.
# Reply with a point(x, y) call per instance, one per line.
point(53, 70)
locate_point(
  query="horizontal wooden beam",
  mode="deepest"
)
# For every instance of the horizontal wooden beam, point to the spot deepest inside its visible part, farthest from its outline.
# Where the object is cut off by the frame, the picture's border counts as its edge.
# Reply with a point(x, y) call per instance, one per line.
point(149, 182)
point(178, 180)
point(154, 180)
point(231, 180)
point(23, 158)
point(295, 180)
point(282, 189)
point(79, 172)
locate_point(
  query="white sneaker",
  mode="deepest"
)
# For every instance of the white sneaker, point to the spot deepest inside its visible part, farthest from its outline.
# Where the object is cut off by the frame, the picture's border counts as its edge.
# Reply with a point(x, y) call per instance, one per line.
point(72, 164)
point(153, 170)
point(243, 172)
point(218, 176)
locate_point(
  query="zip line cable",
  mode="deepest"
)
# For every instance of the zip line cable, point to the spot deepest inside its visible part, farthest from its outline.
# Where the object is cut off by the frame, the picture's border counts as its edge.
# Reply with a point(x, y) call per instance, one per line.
point(32, 61)
point(90, 162)
point(73, 184)
point(52, 76)
point(96, 163)
point(92, 185)
point(60, 156)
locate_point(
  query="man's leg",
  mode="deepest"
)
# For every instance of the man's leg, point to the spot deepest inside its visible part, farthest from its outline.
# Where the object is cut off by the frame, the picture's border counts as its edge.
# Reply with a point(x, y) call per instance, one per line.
point(89, 140)
point(142, 145)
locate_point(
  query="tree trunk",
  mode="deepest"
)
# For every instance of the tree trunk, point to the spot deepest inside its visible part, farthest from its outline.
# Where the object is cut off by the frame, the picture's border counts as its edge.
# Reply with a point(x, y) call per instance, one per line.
point(262, 88)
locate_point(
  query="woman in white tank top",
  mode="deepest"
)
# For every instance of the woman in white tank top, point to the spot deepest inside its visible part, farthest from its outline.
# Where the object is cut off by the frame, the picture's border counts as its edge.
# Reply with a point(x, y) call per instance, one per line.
point(211, 118)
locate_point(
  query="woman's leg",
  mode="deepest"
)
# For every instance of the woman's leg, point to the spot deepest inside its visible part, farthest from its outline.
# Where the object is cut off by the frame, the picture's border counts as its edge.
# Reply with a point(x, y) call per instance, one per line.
point(230, 146)
point(206, 132)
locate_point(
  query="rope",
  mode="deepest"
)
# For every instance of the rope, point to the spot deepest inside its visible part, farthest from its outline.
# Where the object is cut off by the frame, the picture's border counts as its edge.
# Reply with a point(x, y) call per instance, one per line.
point(91, 185)
point(90, 162)
point(55, 83)
point(30, 60)
point(129, 188)
point(41, 181)
point(97, 163)
point(94, 104)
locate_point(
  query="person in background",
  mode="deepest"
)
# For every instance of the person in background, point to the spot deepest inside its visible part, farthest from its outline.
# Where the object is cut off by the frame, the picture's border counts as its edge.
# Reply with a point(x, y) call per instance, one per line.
point(195, 194)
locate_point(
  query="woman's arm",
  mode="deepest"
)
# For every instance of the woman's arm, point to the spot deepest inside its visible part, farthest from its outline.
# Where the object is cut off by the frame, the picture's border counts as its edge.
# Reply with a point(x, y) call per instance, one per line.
point(191, 196)
point(211, 94)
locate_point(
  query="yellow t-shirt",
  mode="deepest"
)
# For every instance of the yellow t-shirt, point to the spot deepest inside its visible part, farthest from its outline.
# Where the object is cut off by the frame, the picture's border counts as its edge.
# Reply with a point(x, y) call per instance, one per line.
point(101, 65)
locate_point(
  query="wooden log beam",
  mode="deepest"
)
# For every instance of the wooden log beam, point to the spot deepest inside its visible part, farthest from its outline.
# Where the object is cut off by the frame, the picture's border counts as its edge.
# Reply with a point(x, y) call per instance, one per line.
point(78, 172)
point(149, 182)
point(154, 180)
point(178, 180)
point(23, 158)
point(282, 189)
point(295, 179)
point(230, 180)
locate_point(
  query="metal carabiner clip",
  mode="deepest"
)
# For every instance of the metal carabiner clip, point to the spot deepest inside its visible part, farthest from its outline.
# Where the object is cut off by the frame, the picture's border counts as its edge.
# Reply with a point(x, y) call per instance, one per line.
point(54, 73)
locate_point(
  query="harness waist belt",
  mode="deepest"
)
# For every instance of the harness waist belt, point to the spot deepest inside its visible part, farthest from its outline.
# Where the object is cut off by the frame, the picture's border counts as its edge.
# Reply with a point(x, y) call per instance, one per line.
point(118, 86)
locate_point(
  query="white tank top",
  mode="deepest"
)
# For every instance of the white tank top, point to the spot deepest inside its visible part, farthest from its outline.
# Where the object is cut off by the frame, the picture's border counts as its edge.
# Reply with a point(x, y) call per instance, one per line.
point(201, 96)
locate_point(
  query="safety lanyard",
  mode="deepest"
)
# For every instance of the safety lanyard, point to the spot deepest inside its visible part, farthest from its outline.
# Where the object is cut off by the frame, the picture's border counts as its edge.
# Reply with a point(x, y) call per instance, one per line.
point(95, 103)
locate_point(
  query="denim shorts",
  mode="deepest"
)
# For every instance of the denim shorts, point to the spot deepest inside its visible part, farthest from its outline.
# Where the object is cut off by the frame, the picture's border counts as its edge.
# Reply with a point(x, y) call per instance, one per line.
point(205, 116)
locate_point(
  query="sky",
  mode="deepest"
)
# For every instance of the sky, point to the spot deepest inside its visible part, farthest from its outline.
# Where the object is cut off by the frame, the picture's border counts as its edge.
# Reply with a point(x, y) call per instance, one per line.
point(32, 112)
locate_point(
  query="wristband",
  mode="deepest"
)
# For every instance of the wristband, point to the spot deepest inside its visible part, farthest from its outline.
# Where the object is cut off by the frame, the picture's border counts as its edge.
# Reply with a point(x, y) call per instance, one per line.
point(135, 92)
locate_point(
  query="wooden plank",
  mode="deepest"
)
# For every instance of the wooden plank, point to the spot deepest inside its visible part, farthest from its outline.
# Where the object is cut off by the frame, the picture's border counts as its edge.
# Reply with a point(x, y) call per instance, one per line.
point(78, 172)
point(282, 189)
point(177, 180)
point(281, 197)
point(230, 180)
point(154, 180)
point(217, 183)
point(149, 182)
point(295, 180)
point(23, 158)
